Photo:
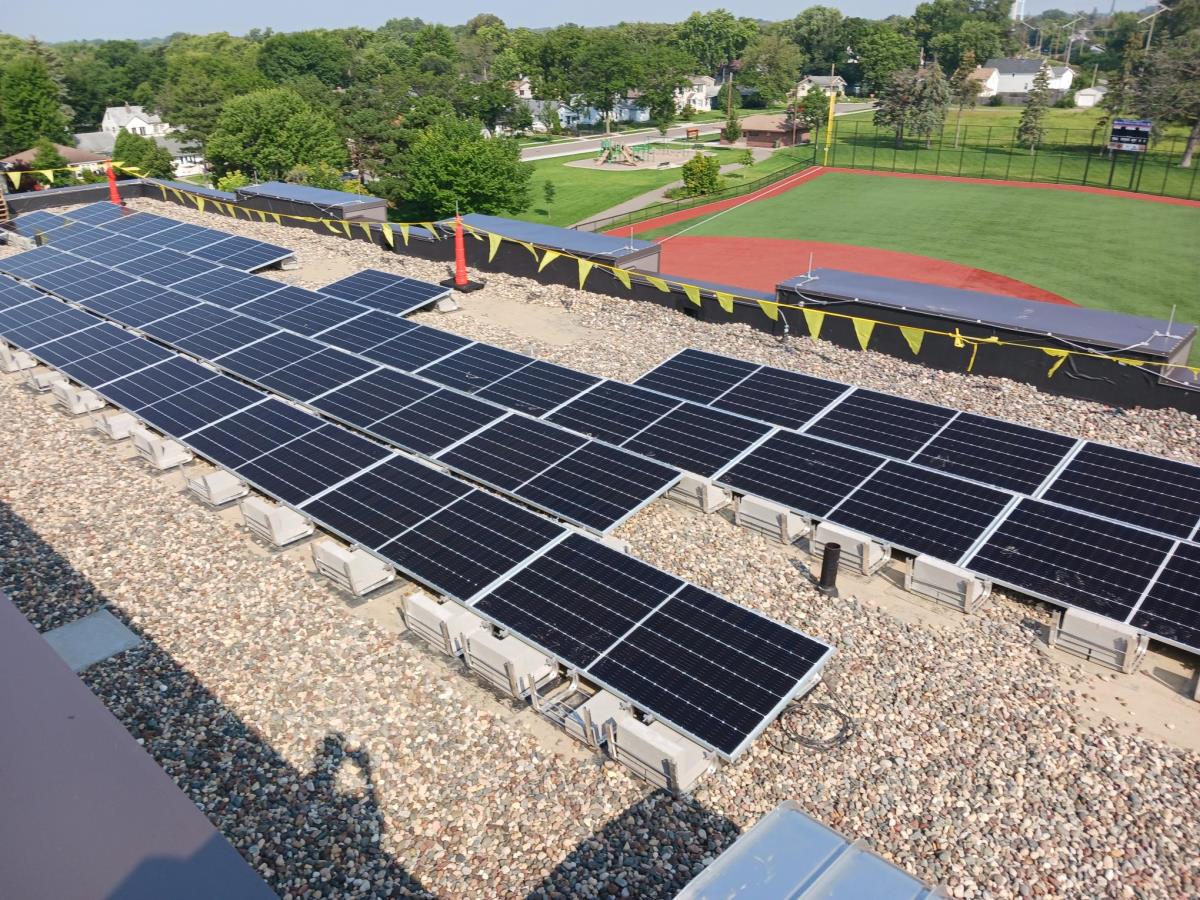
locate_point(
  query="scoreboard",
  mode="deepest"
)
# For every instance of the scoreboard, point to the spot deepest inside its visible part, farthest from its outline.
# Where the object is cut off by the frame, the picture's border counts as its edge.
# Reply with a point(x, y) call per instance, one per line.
point(1130, 134)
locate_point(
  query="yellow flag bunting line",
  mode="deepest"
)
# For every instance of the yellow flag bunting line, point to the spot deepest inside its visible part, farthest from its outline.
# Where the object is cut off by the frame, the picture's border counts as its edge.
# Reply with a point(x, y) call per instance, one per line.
point(814, 318)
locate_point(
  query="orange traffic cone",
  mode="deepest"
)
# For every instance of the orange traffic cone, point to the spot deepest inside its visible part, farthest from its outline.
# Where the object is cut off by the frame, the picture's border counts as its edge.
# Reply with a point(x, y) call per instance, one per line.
point(113, 194)
point(460, 282)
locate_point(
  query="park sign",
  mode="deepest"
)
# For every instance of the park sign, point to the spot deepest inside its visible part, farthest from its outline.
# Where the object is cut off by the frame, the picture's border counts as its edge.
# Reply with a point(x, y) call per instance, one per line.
point(1130, 134)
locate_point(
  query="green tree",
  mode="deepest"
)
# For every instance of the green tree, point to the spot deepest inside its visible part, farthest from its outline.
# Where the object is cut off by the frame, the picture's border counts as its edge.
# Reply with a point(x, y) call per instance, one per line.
point(772, 64)
point(701, 175)
point(964, 90)
point(549, 191)
point(896, 102)
point(722, 99)
point(818, 32)
point(715, 38)
point(30, 106)
point(884, 51)
point(1169, 88)
point(202, 74)
point(48, 157)
point(268, 132)
point(323, 175)
point(983, 39)
point(663, 70)
point(145, 154)
point(450, 165)
point(317, 53)
point(731, 130)
point(931, 101)
point(1033, 117)
point(813, 109)
point(604, 71)
point(231, 181)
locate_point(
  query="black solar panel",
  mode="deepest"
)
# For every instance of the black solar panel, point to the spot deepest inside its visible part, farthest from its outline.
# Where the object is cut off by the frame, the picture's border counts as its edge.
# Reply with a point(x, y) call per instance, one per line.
point(435, 422)
point(115, 362)
point(83, 344)
point(317, 317)
point(97, 213)
point(39, 261)
point(164, 303)
point(373, 397)
point(134, 392)
point(288, 299)
point(143, 225)
point(308, 465)
point(538, 387)
point(196, 407)
point(125, 295)
point(32, 223)
point(249, 434)
point(268, 355)
point(995, 452)
point(881, 423)
point(613, 411)
point(242, 253)
point(697, 376)
point(381, 504)
point(418, 346)
point(13, 293)
point(807, 475)
point(1071, 558)
point(475, 367)
point(114, 250)
point(167, 267)
point(1150, 491)
point(511, 452)
point(50, 328)
point(1172, 608)
point(697, 439)
point(384, 291)
point(188, 238)
point(317, 374)
point(578, 599)
point(920, 511)
point(97, 283)
point(68, 275)
point(73, 236)
point(367, 331)
point(715, 670)
point(185, 324)
point(783, 398)
point(474, 541)
point(224, 338)
point(227, 287)
point(36, 310)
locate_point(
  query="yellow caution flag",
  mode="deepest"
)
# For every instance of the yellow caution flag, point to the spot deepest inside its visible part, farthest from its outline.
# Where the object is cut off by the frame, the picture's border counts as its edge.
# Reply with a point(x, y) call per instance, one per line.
point(386, 228)
point(814, 319)
point(1061, 357)
point(770, 308)
point(404, 232)
point(528, 246)
point(726, 301)
point(915, 337)
point(658, 283)
point(548, 257)
point(693, 293)
point(15, 178)
point(863, 329)
point(622, 276)
point(275, 216)
point(493, 244)
point(199, 202)
point(346, 228)
point(585, 266)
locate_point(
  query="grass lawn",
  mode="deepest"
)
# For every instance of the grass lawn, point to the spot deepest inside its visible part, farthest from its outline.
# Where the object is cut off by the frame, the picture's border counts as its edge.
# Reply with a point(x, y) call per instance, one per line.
point(1126, 254)
point(581, 193)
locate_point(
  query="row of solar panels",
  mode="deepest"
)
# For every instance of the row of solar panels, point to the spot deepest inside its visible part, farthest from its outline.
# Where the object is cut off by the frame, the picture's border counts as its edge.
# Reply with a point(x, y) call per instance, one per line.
point(177, 243)
point(716, 671)
point(266, 340)
point(1073, 522)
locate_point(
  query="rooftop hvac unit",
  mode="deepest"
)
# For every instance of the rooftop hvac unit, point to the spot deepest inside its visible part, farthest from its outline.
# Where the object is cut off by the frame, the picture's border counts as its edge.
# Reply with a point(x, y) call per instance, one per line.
point(115, 426)
point(946, 583)
point(13, 360)
point(355, 571)
point(699, 493)
point(508, 663)
point(771, 520)
point(218, 488)
point(859, 552)
point(277, 525)
point(442, 625)
point(589, 721)
point(1098, 639)
point(41, 380)
point(657, 753)
point(75, 400)
point(161, 453)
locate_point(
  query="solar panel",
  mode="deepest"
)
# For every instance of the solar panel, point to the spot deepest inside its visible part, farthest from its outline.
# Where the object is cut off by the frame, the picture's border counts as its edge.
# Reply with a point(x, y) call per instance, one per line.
point(317, 317)
point(416, 347)
point(121, 296)
point(166, 267)
point(142, 225)
point(83, 344)
point(82, 270)
point(783, 398)
point(39, 261)
point(367, 331)
point(375, 396)
point(116, 250)
point(1150, 491)
point(73, 236)
point(920, 511)
point(1072, 558)
point(36, 222)
point(697, 376)
point(188, 238)
point(243, 253)
point(306, 466)
point(268, 355)
point(474, 367)
point(538, 387)
point(384, 291)
point(316, 374)
point(435, 422)
point(49, 328)
point(1010, 456)
point(227, 287)
point(805, 474)
point(141, 389)
point(578, 599)
point(613, 411)
point(881, 423)
point(470, 544)
point(187, 323)
point(249, 434)
point(215, 342)
point(697, 439)
point(18, 316)
point(13, 293)
point(714, 670)
point(512, 451)
point(381, 504)
point(164, 303)
point(98, 213)
point(1171, 609)
point(114, 362)
point(98, 283)
point(287, 299)
point(193, 408)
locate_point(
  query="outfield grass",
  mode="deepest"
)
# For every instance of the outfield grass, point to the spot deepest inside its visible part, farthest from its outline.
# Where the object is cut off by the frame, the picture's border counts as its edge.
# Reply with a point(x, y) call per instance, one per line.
point(581, 193)
point(1126, 254)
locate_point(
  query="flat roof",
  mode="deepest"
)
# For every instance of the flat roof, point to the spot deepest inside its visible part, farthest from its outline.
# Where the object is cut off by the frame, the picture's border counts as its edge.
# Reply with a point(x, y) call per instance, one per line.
point(200, 189)
point(302, 193)
point(582, 243)
point(87, 811)
point(1096, 327)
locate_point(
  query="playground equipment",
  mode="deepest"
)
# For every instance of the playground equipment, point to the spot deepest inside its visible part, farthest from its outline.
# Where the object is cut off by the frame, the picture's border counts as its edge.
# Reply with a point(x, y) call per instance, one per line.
point(613, 153)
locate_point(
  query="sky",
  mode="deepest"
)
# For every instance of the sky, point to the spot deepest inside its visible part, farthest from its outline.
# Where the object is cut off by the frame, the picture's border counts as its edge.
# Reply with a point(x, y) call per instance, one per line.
point(84, 19)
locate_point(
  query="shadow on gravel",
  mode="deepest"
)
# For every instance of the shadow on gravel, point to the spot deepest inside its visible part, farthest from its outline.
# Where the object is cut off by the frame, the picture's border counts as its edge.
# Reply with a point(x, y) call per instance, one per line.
point(302, 834)
point(652, 849)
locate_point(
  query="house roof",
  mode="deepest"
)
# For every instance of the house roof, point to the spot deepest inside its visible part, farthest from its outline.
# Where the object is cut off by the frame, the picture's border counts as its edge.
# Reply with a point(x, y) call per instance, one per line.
point(123, 115)
point(765, 123)
point(1010, 66)
point(73, 155)
point(1059, 71)
point(982, 73)
point(104, 141)
point(824, 80)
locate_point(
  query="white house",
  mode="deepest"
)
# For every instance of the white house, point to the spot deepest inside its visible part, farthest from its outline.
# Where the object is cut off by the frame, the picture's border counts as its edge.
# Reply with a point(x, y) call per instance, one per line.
point(1061, 78)
point(699, 93)
point(185, 160)
point(989, 81)
point(134, 119)
point(1015, 76)
point(831, 86)
point(522, 87)
point(1089, 97)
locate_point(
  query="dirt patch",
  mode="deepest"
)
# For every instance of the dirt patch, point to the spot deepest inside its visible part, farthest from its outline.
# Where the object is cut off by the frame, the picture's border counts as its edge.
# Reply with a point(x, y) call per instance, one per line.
point(548, 325)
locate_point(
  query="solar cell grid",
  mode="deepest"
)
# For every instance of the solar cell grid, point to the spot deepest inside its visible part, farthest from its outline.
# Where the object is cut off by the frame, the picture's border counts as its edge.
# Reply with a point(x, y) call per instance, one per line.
point(50, 328)
point(268, 355)
point(187, 323)
point(13, 293)
point(96, 213)
point(175, 272)
point(512, 451)
point(78, 346)
point(697, 376)
point(227, 287)
point(538, 387)
point(474, 367)
point(80, 291)
point(31, 223)
point(1149, 491)
point(384, 291)
point(1171, 609)
point(37, 261)
point(249, 434)
point(373, 397)
point(42, 307)
point(309, 464)
point(318, 317)
point(881, 423)
point(115, 362)
point(416, 347)
point(164, 303)
point(73, 236)
point(367, 331)
point(185, 411)
point(144, 388)
point(613, 411)
point(224, 338)
point(82, 269)
point(316, 374)
point(136, 224)
point(188, 238)
point(435, 422)
point(124, 295)
point(697, 439)
point(783, 398)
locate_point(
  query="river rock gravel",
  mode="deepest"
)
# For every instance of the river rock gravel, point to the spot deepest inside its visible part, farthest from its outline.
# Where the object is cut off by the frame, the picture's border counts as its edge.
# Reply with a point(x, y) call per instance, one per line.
point(344, 760)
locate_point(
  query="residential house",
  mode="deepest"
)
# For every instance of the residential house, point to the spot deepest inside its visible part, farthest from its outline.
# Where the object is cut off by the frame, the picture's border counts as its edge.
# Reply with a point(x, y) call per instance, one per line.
point(75, 156)
point(522, 87)
point(830, 85)
point(1061, 78)
point(772, 131)
point(1089, 97)
point(134, 119)
point(699, 94)
point(989, 81)
point(1015, 76)
point(186, 160)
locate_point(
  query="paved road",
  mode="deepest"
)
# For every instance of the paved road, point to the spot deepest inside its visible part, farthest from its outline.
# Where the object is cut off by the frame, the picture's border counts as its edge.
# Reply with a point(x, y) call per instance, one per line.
point(592, 144)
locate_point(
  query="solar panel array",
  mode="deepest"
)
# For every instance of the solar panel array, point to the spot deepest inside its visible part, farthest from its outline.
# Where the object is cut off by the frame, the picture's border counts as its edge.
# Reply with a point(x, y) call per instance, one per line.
point(330, 354)
point(1074, 522)
point(710, 668)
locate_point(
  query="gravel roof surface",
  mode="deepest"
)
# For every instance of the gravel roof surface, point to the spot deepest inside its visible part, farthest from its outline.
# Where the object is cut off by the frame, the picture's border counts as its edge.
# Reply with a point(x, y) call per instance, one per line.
point(970, 763)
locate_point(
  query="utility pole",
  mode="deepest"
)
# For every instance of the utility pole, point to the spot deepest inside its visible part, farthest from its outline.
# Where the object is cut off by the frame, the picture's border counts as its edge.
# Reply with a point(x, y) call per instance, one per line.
point(1162, 8)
